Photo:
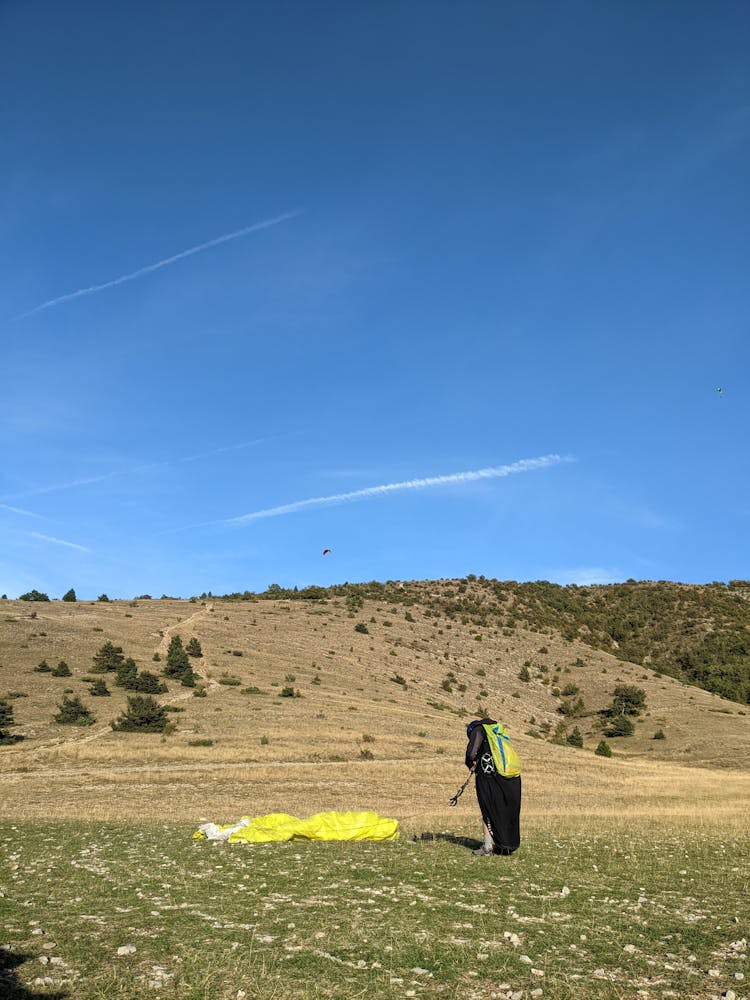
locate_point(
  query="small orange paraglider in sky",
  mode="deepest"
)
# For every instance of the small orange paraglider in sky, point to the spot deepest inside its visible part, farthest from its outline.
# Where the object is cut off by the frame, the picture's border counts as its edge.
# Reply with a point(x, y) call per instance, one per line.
point(327, 552)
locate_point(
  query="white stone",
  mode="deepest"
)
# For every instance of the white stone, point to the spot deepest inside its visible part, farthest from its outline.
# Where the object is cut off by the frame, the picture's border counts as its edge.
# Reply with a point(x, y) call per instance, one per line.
point(126, 949)
point(565, 891)
point(715, 973)
point(629, 948)
point(729, 995)
point(525, 959)
point(537, 972)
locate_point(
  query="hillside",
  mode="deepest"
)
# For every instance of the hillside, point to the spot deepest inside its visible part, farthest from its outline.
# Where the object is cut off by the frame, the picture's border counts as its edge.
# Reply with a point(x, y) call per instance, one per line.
point(355, 677)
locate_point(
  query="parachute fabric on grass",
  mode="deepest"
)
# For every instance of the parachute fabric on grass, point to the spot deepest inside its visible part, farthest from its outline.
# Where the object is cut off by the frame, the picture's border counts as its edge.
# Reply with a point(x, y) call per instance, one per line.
point(281, 827)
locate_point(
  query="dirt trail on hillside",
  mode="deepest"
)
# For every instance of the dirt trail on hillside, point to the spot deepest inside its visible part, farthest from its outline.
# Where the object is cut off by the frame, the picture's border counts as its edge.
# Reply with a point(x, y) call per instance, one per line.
point(161, 649)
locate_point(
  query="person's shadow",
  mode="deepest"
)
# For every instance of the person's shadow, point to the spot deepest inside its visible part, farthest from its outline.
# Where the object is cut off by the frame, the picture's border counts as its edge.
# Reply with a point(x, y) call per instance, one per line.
point(11, 988)
point(468, 842)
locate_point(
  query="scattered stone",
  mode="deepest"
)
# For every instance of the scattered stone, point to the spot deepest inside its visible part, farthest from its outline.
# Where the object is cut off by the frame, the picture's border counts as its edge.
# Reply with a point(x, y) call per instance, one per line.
point(525, 959)
point(538, 992)
point(715, 973)
point(629, 948)
point(729, 995)
point(537, 972)
point(565, 891)
point(738, 975)
point(37, 932)
point(126, 949)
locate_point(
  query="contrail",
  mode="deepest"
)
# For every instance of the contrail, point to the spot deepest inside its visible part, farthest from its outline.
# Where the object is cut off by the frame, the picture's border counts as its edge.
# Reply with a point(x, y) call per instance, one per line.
point(20, 510)
point(494, 472)
point(133, 470)
point(56, 541)
point(266, 224)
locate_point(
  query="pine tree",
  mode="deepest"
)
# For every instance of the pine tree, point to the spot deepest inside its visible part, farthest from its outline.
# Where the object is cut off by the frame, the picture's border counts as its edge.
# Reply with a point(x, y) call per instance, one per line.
point(99, 688)
point(72, 712)
point(193, 648)
point(6, 721)
point(109, 657)
point(62, 670)
point(143, 714)
point(69, 595)
point(148, 683)
point(126, 674)
point(178, 663)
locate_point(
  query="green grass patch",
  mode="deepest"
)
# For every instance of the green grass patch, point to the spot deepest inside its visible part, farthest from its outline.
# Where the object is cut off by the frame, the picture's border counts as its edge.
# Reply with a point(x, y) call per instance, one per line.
point(600, 910)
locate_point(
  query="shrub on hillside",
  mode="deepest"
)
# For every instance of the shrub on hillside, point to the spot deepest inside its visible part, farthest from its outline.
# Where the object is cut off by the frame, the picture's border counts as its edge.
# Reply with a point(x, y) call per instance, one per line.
point(33, 595)
point(103, 598)
point(575, 739)
point(69, 595)
point(43, 667)
point(99, 688)
point(604, 749)
point(193, 648)
point(619, 725)
point(62, 670)
point(628, 700)
point(361, 628)
point(72, 712)
point(143, 714)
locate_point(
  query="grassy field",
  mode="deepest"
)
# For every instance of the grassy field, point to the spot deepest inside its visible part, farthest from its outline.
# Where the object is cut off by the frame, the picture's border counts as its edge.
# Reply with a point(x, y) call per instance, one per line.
point(588, 908)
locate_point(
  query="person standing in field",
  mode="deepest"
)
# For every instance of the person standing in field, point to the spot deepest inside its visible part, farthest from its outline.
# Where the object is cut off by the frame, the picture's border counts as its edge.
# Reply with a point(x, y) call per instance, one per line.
point(497, 771)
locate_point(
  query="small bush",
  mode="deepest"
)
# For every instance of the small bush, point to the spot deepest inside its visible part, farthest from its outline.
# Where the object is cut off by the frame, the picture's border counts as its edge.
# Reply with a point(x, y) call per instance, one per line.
point(199, 692)
point(43, 668)
point(398, 679)
point(200, 743)
point(361, 628)
point(99, 688)
point(620, 725)
point(365, 754)
point(659, 735)
point(229, 681)
point(575, 739)
point(264, 741)
point(524, 675)
point(193, 648)
point(251, 690)
point(569, 690)
point(603, 750)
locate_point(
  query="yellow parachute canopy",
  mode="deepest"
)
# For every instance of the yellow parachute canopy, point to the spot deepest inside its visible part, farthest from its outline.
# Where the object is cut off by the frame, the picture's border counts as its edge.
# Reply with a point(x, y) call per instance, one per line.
point(280, 827)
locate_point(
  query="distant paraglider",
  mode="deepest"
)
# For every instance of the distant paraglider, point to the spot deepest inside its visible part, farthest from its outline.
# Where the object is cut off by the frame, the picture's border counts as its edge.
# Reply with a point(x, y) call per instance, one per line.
point(720, 391)
point(327, 552)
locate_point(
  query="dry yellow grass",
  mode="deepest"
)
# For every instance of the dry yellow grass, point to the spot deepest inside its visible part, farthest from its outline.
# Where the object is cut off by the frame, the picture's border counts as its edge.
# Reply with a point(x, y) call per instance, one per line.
point(350, 702)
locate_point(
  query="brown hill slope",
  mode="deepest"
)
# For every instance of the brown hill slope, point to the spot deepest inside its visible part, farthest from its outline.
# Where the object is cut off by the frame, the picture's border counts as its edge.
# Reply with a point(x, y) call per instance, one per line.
point(403, 689)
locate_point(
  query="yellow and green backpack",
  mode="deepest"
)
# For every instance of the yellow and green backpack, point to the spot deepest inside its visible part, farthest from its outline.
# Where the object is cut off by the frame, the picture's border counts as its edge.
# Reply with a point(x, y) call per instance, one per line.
point(504, 756)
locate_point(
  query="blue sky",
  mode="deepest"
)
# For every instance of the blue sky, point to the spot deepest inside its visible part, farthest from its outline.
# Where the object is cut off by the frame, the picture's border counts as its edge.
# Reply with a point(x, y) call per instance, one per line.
point(483, 234)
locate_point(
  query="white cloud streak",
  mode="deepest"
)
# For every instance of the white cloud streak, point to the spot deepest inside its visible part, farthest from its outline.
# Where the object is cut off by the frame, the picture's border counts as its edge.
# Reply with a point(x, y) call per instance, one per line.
point(149, 268)
point(56, 541)
point(20, 510)
point(454, 479)
point(132, 471)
